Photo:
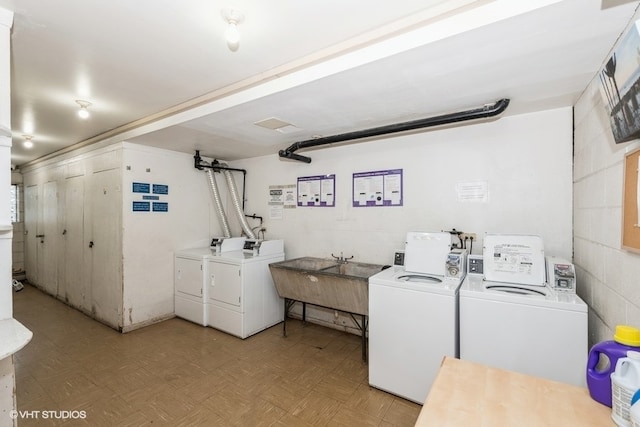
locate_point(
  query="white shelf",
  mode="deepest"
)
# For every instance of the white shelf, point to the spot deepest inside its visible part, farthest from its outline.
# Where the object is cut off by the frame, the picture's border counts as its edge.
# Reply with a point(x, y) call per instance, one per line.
point(13, 336)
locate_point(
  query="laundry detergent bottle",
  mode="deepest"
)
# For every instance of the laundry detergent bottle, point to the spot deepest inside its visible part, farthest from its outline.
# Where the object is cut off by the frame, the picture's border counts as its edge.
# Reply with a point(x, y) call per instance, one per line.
point(626, 338)
point(625, 380)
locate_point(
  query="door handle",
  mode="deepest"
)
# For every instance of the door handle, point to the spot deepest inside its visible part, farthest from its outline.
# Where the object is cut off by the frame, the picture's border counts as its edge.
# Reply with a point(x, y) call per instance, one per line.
point(39, 236)
point(91, 244)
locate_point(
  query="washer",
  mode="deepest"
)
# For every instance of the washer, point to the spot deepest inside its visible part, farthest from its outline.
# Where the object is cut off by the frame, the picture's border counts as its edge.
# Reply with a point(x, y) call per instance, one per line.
point(412, 326)
point(529, 329)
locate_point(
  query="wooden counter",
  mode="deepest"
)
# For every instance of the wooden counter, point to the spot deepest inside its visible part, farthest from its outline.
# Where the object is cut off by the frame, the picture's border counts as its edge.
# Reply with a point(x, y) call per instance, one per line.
point(470, 394)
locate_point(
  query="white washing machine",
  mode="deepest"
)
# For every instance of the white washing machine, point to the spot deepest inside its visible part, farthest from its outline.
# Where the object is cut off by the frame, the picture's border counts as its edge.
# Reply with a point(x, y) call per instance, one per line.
point(412, 326)
point(242, 299)
point(522, 325)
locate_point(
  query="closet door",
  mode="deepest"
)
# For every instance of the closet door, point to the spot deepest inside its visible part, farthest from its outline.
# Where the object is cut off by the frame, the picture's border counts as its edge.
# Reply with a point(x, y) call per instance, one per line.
point(74, 284)
point(104, 244)
point(31, 243)
point(49, 240)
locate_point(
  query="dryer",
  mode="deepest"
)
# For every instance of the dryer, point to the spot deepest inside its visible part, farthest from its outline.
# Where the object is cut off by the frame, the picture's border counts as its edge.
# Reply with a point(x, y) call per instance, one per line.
point(191, 274)
point(242, 298)
point(517, 322)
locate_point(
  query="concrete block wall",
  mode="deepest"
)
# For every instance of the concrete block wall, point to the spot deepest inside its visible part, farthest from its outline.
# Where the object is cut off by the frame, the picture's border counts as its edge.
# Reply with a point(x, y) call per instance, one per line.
point(608, 276)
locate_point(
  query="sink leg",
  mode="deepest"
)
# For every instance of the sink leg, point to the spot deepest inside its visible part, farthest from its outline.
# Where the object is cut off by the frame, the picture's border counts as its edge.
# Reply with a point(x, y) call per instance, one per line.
point(364, 338)
point(304, 312)
point(284, 319)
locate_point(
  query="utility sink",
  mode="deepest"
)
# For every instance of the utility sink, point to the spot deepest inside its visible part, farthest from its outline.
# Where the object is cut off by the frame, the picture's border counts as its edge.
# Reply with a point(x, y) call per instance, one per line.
point(325, 282)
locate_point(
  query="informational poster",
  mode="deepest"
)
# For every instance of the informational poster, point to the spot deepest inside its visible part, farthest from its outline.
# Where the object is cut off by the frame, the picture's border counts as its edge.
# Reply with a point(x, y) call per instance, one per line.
point(281, 197)
point(317, 191)
point(476, 191)
point(377, 188)
point(276, 202)
point(148, 197)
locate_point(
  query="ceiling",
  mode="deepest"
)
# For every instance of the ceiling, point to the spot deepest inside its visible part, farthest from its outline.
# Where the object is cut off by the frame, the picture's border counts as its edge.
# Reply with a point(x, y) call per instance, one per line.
point(159, 72)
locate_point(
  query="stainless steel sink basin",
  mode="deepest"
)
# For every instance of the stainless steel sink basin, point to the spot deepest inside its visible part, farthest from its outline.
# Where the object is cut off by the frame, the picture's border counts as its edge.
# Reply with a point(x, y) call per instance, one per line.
point(360, 270)
point(325, 282)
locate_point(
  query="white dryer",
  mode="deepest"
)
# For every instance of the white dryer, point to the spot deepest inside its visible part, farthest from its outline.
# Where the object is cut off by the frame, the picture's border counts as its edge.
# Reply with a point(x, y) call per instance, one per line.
point(191, 275)
point(412, 326)
point(242, 299)
point(522, 325)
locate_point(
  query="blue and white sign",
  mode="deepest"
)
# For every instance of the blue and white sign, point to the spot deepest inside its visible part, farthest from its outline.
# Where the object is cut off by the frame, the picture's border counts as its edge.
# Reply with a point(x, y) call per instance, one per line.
point(141, 187)
point(141, 206)
point(160, 207)
point(149, 197)
point(160, 189)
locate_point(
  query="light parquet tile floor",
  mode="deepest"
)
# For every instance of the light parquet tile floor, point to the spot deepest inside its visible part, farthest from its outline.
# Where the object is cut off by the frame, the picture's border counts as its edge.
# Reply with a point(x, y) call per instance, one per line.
point(176, 373)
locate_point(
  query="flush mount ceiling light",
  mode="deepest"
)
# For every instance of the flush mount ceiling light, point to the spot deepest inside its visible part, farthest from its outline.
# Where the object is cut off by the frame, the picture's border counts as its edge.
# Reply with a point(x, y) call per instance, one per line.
point(27, 141)
point(232, 17)
point(83, 113)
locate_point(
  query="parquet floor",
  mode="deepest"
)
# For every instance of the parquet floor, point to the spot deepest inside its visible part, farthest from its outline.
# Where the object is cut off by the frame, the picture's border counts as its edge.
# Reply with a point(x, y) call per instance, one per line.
point(176, 373)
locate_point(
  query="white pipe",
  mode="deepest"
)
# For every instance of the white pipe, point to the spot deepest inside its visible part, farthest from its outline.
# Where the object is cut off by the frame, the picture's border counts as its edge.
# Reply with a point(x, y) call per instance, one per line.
point(215, 195)
point(235, 201)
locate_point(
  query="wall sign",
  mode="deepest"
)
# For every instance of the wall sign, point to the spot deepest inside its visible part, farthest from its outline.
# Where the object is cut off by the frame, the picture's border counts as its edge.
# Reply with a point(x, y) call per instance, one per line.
point(141, 187)
point(141, 206)
point(317, 190)
point(149, 197)
point(377, 188)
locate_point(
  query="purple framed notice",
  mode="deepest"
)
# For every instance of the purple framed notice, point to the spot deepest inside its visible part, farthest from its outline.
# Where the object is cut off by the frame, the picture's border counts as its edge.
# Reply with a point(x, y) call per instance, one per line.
point(317, 190)
point(377, 188)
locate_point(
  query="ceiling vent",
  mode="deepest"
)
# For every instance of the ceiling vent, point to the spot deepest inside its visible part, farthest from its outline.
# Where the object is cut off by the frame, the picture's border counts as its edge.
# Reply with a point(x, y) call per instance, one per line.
point(277, 125)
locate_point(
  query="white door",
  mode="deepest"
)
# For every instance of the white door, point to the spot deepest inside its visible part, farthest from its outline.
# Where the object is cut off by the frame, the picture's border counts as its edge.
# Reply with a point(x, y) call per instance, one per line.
point(49, 240)
point(104, 246)
point(188, 276)
point(225, 284)
point(74, 284)
point(31, 243)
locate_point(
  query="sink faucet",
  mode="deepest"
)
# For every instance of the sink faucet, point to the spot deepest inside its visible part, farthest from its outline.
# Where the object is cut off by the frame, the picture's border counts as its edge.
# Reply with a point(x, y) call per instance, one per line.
point(341, 259)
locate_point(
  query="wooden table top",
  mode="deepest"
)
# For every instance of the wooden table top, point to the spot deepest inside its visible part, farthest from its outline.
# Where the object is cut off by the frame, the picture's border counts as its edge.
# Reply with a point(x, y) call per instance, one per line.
point(470, 394)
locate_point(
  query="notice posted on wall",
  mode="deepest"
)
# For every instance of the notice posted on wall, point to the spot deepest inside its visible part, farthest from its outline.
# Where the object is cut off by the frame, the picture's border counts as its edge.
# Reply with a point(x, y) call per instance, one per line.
point(281, 197)
point(377, 188)
point(476, 191)
point(149, 197)
point(317, 190)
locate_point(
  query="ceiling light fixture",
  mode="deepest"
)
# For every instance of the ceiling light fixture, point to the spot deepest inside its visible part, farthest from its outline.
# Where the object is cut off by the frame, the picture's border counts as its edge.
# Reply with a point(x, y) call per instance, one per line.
point(232, 34)
point(83, 113)
point(27, 141)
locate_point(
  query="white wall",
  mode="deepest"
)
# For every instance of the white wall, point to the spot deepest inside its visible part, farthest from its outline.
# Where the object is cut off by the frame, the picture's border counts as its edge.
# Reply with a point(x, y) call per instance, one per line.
point(607, 275)
point(526, 161)
point(150, 238)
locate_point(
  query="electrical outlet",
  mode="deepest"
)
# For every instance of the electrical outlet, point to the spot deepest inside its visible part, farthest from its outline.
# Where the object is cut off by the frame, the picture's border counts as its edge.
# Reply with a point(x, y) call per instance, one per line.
point(468, 236)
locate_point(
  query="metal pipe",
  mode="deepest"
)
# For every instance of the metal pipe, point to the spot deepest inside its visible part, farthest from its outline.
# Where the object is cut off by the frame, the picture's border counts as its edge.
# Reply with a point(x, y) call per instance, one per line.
point(488, 110)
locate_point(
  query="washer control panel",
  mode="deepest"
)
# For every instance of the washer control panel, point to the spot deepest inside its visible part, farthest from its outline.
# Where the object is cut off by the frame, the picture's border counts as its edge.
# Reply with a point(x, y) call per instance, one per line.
point(475, 264)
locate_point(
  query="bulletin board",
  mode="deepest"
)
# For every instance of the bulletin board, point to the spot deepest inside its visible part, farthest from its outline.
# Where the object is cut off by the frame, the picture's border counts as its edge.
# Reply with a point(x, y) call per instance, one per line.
point(631, 202)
